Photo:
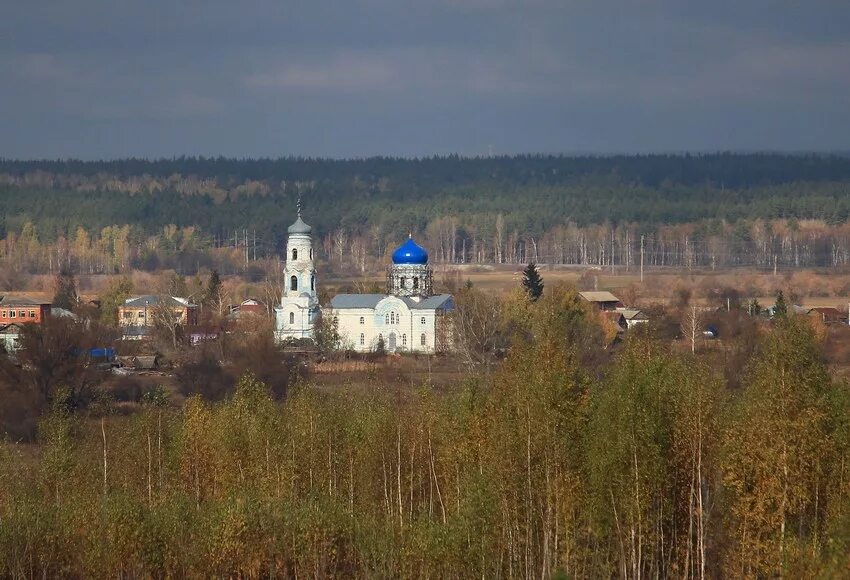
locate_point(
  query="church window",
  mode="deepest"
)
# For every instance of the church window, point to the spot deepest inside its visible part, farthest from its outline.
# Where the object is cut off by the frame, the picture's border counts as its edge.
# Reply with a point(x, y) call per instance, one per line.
point(295, 253)
point(422, 339)
point(362, 320)
point(416, 282)
point(422, 319)
point(403, 340)
point(312, 282)
point(386, 318)
point(293, 283)
point(291, 318)
point(336, 321)
point(362, 339)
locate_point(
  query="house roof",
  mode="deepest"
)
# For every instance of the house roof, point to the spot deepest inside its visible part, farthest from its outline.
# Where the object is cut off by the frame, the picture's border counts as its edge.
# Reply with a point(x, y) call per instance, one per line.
point(601, 296)
point(632, 314)
point(370, 301)
point(21, 301)
point(153, 300)
point(827, 310)
point(63, 313)
point(13, 328)
point(145, 362)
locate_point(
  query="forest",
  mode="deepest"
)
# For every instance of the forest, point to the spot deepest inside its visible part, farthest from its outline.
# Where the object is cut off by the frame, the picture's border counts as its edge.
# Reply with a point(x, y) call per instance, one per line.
point(713, 210)
point(559, 459)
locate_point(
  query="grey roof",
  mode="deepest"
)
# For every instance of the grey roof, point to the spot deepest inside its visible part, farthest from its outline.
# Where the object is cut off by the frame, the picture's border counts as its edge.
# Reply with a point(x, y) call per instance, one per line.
point(601, 296)
point(63, 313)
point(299, 227)
point(356, 300)
point(21, 301)
point(443, 301)
point(13, 328)
point(632, 314)
point(153, 299)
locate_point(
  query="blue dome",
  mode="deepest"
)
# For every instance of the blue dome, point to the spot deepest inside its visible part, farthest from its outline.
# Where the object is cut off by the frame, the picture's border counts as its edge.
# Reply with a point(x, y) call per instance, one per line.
point(410, 253)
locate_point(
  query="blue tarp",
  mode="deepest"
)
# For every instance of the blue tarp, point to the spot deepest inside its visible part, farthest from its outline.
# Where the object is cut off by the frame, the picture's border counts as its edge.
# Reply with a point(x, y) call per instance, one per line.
point(107, 353)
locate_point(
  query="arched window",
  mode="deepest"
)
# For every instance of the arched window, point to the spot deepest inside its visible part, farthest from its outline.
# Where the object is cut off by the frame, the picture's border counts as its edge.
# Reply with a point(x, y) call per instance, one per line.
point(362, 339)
point(422, 339)
point(312, 282)
point(386, 318)
point(362, 320)
point(293, 283)
point(336, 321)
point(294, 253)
point(403, 340)
point(423, 320)
point(402, 282)
point(291, 318)
point(416, 282)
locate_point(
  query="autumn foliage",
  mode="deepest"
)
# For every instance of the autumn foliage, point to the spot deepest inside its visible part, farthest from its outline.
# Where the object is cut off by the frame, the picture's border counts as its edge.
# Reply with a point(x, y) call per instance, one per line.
point(562, 460)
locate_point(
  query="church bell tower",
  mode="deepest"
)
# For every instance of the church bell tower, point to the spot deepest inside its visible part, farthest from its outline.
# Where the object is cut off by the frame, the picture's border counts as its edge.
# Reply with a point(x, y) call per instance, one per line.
point(299, 305)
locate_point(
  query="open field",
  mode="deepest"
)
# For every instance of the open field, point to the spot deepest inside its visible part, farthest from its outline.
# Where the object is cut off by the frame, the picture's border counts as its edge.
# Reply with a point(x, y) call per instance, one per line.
point(808, 287)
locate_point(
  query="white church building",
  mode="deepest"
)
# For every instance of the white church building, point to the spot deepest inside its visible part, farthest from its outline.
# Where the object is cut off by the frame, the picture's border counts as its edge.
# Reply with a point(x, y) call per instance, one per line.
point(299, 303)
point(408, 318)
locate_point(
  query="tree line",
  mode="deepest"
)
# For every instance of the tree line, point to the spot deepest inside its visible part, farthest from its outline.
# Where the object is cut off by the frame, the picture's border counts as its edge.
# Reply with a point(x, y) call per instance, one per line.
point(561, 460)
point(707, 210)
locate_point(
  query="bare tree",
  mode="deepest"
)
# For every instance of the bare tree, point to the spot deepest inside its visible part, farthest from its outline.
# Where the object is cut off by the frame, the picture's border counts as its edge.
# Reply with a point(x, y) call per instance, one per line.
point(477, 326)
point(166, 318)
point(690, 326)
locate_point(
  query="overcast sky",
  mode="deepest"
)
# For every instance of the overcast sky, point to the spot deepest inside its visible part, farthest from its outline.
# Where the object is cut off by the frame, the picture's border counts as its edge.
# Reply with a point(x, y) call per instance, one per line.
point(112, 78)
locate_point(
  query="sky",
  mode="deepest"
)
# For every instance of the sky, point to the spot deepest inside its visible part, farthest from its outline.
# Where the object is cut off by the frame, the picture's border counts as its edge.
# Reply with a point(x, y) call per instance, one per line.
point(95, 79)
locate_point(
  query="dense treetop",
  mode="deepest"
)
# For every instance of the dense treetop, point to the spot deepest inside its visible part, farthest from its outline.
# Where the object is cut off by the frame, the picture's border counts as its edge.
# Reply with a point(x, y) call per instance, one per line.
point(533, 192)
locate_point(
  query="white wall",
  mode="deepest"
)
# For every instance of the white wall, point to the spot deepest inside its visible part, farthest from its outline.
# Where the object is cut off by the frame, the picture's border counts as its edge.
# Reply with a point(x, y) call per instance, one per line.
point(374, 323)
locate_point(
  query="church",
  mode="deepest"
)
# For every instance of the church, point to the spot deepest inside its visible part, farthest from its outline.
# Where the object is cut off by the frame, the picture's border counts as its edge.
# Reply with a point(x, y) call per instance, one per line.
point(408, 318)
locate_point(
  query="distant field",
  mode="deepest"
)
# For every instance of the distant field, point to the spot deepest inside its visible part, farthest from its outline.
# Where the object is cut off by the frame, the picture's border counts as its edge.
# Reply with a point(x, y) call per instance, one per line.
point(822, 287)
point(809, 287)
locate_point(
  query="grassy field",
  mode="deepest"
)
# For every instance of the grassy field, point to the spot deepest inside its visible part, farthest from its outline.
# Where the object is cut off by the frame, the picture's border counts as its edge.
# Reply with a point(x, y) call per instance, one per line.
point(825, 287)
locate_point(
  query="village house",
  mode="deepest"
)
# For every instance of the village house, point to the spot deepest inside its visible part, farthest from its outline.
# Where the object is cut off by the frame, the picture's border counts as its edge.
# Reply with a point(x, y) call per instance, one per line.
point(632, 316)
point(137, 315)
point(248, 307)
point(828, 315)
point(14, 313)
point(603, 300)
point(22, 309)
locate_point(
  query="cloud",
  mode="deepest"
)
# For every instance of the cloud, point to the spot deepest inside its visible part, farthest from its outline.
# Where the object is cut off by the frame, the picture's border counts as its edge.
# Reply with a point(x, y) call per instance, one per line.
point(347, 71)
point(387, 76)
point(451, 71)
point(42, 67)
